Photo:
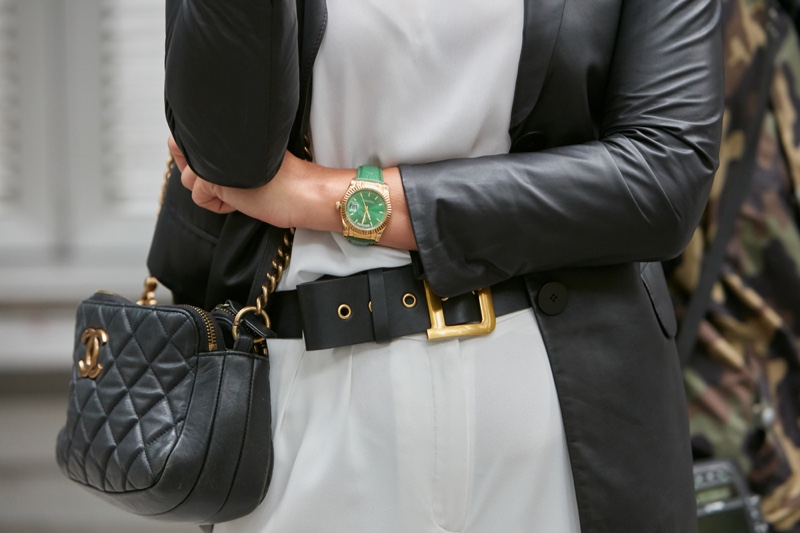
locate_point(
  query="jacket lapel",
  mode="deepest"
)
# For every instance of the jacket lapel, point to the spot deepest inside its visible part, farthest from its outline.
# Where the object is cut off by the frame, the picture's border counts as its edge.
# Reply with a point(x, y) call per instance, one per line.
point(542, 22)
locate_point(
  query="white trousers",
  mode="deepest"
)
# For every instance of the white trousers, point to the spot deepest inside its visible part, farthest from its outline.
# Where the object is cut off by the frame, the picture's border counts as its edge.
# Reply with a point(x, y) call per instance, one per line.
point(414, 436)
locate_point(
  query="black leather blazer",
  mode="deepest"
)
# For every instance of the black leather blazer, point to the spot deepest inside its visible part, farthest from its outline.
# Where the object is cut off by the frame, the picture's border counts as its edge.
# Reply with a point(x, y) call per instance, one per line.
point(615, 129)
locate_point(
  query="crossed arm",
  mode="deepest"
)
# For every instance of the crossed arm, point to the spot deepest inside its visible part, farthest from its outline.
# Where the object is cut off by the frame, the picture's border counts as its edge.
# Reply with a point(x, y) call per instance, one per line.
point(301, 195)
point(633, 194)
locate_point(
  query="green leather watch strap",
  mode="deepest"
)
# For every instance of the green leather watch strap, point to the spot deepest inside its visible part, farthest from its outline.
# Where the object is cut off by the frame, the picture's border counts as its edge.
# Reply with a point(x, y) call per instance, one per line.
point(369, 173)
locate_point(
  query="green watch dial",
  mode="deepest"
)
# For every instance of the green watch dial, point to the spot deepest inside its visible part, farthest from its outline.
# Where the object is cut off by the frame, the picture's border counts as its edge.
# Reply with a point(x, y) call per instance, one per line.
point(366, 209)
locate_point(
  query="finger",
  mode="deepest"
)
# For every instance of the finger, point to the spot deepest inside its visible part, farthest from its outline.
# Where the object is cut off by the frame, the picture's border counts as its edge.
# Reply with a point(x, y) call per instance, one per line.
point(208, 196)
point(188, 177)
point(176, 153)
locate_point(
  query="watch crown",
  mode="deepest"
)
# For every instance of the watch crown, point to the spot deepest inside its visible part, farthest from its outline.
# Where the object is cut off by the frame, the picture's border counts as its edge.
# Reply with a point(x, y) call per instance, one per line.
point(338, 205)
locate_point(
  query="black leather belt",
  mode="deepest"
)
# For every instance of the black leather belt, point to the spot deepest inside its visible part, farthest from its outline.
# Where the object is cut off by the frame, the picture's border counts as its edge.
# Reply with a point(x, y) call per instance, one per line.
point(383, 304)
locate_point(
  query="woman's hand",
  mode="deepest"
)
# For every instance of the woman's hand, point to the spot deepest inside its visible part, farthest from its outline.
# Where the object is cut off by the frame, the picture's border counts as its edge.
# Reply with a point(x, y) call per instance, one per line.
point(302, 194)
point(273, 203)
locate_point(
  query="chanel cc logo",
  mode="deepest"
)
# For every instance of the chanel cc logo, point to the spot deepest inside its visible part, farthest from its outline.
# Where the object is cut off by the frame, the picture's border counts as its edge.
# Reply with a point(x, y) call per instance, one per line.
point(93, 338)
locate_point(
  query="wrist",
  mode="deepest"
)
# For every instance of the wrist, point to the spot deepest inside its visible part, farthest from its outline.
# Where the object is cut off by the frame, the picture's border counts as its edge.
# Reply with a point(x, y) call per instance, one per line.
point(399, 233)
point(318, 193)
point(319, 188)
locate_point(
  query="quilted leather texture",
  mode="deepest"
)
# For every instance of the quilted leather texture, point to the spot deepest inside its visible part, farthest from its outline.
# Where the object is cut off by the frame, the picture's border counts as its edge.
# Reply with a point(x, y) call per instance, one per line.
point(167, 428)
point(113, 440)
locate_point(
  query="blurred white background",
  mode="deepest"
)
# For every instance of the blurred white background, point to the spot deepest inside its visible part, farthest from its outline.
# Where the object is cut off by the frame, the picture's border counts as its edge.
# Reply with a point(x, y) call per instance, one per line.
point(82, 153)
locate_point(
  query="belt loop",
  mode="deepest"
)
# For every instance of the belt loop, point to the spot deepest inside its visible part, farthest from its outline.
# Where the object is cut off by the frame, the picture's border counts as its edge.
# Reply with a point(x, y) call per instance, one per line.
point(417, 269)
point(380, 313)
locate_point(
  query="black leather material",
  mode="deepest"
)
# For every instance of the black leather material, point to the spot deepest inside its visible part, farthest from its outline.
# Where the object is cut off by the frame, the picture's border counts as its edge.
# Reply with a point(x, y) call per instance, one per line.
point(656, 285)
point(542, 23)
point(312, 310)
point(184, 229)
point(243, 48)
point(312, 21)
point(172, 427)
point(620, 389)
point(630, 104)
point(533, 141)
point(378, 306)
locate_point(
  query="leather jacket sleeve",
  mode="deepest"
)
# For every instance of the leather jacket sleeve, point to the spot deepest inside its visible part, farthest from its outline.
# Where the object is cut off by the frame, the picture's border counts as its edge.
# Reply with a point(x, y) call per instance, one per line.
point(635, 193)
point(231, 88)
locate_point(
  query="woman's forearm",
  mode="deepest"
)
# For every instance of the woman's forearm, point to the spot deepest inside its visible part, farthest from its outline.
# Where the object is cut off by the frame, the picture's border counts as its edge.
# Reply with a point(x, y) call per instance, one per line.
point(302, 195)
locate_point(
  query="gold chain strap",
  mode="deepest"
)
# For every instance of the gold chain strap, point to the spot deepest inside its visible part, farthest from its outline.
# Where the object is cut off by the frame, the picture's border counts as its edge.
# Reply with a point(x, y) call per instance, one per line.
point(276, 270)
point(279, 265)
point(167, 170)
point(148, 296)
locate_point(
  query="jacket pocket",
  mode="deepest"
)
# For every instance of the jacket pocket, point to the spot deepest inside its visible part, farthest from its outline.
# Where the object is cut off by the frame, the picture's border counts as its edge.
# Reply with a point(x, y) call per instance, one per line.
point(653, 277)
point(183, 244)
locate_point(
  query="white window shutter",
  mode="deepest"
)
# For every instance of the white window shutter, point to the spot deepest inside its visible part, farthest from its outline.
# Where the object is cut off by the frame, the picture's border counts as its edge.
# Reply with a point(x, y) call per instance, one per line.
point(134, 131)
point(9, 103)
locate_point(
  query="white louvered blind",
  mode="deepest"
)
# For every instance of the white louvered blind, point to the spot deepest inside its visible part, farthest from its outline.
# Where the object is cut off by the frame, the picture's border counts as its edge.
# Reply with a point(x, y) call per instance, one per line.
point(134, 131)
point(9, 104)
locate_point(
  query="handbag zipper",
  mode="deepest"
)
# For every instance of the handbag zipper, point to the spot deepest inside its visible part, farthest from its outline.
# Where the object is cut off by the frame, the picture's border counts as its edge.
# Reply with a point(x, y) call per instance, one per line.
point(211, 334)
point(225, 308)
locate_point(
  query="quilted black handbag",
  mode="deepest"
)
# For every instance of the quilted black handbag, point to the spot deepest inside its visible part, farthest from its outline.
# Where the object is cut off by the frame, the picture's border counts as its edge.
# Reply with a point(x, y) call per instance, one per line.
point(169, 406)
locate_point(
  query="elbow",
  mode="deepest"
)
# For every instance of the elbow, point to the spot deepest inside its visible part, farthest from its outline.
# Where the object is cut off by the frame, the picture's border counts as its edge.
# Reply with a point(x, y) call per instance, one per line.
point(687, 203)
point(250, 170)
point(673, 243)
point(229, 160)
point(234, 147)
point(673, 182)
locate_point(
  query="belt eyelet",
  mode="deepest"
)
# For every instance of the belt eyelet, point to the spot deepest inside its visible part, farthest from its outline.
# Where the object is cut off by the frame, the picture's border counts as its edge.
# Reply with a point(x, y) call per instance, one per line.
point(344, 312)
point(409, 300)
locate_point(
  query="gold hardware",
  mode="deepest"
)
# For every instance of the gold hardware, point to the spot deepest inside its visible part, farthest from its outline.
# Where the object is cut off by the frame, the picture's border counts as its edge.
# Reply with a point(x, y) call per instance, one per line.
point(93, 338)
point(409, 300)
point(148, 296)
point(279, 265)
point(344, 312)
point(348, 229)
point(240, 315)
point(440, 330)
point(212, 335)
point(369, 305)
point(170, 161)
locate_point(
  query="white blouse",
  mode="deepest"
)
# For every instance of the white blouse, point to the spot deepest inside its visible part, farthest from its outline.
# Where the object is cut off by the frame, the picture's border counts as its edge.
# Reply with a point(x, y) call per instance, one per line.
point(409, 81)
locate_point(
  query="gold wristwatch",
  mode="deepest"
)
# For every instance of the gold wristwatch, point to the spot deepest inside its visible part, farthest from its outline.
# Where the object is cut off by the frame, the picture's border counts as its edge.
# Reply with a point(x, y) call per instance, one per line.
point(365, 208)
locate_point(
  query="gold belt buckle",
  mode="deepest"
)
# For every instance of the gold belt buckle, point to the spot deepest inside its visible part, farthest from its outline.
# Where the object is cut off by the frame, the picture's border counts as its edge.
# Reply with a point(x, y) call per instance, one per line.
point(440, 330)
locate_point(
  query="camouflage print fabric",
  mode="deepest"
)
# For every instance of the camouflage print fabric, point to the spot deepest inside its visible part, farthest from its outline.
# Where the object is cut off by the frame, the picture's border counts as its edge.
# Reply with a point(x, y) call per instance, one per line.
point(743, 380)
